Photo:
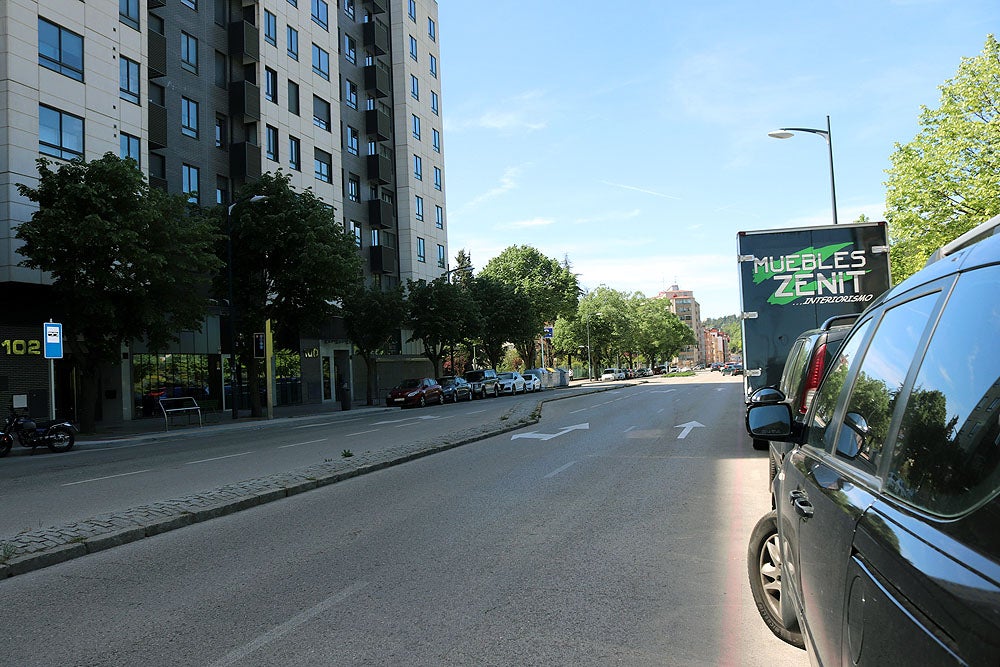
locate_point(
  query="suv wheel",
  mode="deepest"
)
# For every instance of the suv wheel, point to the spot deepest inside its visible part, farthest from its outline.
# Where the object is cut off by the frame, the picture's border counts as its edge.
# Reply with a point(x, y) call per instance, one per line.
point(764, 568)
point(496, 391)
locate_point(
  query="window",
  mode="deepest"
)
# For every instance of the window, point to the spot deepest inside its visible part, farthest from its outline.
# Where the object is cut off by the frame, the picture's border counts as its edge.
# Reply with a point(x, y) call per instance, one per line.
point(437, 178)
point(355, 230)
point(353, 188)
point(321, 14)
point(221, 189)
point(270, 85)
point(271, 143)
point(221, 136)
point(221, 76)
point(294, 154)
point(413, 10)
point(431, 29)
point(189, 117)
point(436, 140)
point(270, 28)
point(418, 205)
point(128, 13)
point(349, 8)
point(414, 87)
point(438, 217)
point(441, 262)
point(221, 12)
point(189, 182)
point(434, 102)
point(434, 67)
point(293, 3)
point(421, 250)
point(416, 126)
point(322, 162)
point(351, 93)
point(293, 98)
point(418, 168)
point(128, 80)
point(60, 50)
point(193, 4)
point(321, 113)
point(129, 147)
point(293, 43)
point(350, 49)
point(413, 47)
point(189, 53)
point(321, 62)
point(352, 140)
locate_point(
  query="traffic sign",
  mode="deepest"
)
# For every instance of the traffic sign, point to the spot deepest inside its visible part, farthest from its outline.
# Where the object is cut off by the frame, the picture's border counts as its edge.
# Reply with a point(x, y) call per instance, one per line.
point(547, 332)
point(258, 346)
point(53, 340)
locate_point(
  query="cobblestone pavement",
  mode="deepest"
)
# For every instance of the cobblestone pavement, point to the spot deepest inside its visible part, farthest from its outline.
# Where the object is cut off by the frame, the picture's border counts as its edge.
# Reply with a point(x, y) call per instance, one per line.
point(35, 549)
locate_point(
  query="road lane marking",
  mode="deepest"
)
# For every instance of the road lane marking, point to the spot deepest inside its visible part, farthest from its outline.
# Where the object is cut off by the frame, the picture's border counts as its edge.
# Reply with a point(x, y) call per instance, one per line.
point(334, 423)
point(240, 654)
point(548, 436)
point(307, 442)
point(476, 412)
point(218, 458)
point(374, 430)
point(687, 428)
point(560, 469)
point(98, 479)
point(629, 429)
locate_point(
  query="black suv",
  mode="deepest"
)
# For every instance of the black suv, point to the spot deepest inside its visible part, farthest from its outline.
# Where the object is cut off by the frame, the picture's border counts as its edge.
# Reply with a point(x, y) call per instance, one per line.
point(484, 383)
point(884, 547)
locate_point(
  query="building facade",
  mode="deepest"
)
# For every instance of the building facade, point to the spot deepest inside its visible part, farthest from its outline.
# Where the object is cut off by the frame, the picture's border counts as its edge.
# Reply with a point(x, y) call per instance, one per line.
point(716, 346)
point(206, 95)
point(686, 308)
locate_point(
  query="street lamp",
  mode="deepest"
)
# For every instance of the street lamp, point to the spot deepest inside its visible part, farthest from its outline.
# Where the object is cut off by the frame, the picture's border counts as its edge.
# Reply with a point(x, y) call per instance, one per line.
point(590, 363)
point(232, 302)
point(788, 132)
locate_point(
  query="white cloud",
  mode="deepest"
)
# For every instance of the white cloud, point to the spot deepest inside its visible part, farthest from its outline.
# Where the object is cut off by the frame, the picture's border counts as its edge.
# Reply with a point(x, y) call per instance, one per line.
point(508, 182)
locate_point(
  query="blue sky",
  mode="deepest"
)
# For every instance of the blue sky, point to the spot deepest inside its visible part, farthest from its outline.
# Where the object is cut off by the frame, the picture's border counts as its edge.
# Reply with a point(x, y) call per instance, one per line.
point(632, 137)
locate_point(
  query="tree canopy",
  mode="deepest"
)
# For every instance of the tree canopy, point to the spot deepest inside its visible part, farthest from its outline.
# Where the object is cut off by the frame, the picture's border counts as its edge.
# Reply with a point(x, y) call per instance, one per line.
point(373, 317)
point(440, 313)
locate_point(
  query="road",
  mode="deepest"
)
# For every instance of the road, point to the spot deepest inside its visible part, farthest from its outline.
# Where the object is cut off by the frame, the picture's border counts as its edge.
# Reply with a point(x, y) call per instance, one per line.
point(612, 532)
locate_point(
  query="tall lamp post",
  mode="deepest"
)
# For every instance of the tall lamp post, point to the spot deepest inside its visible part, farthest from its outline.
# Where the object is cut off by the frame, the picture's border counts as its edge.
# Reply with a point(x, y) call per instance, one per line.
point(788, 132)
point(232, 302)
point(590, 363)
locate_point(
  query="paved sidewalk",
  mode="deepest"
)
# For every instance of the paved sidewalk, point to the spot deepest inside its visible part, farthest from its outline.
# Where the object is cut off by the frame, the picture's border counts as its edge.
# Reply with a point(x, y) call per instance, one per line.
point(35, 549)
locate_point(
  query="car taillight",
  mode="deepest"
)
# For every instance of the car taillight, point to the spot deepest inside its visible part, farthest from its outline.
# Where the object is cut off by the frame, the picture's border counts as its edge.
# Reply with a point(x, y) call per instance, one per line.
point(813, 377)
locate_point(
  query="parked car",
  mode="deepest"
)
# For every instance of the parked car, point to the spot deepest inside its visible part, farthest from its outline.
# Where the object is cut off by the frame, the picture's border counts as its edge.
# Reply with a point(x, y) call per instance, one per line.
point(511, 383)
point(883, 546)
point(612, 374)
point(483, 382)
point(455, 389)
point(415, 391)
point(532, 381)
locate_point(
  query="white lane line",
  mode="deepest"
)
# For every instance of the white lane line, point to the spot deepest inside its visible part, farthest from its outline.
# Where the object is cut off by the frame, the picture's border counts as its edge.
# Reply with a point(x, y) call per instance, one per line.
point(240, 654)
point(361, 433)
point(660, 410)
point(334, 423)
point(218, 458)
point(573, 412)
point(307, 442)
point(629, 429)
point(98, 479)
point(560, 469)
point(476, 412)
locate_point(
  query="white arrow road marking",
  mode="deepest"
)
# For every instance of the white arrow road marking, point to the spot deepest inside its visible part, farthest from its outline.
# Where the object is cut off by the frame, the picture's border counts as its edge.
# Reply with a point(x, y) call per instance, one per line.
point(548, 436)
point(687, 428)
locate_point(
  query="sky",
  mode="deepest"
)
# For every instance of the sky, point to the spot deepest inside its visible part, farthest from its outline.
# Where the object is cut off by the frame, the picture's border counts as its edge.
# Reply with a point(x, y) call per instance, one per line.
point(631, 138)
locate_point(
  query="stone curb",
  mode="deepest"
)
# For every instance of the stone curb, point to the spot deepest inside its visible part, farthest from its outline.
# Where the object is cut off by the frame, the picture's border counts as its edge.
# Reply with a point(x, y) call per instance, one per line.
point(37, 549)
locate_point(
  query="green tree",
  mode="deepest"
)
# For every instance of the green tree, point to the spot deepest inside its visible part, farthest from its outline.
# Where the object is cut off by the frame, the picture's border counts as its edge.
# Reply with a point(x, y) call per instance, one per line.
point(661, 335)
point(440, 313)
point(944, 182)
point(503, 314)
point(127, 262)
point(373, 318)
point(292, 264)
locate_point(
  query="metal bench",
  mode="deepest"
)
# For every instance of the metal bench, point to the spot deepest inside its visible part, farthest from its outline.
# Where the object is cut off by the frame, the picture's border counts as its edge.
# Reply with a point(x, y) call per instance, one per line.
point(182, 405)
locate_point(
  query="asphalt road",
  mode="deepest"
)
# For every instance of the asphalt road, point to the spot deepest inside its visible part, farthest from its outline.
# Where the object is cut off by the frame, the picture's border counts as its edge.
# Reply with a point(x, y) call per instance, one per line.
point(612, 532)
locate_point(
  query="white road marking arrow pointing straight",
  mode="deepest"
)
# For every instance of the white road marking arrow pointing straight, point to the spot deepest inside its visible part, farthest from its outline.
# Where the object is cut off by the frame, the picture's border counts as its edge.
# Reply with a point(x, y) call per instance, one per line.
point(548, 436)
point(687, 428)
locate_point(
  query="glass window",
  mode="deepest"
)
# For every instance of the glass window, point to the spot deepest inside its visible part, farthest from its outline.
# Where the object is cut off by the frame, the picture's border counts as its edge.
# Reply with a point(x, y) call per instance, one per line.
point(351, 93)
point(128, 13)
point(421, 250)
point(434, 102)
point(418, 207)
point(60, 50)
point(271, 143)
point(293, 43)
point(321, 62)
point(355, 229)
point(129, 148)
point(349, 8)
point(221, 189)
point(431, 29)
point(189, 117)
point(353, 140)
point(322, 162)
point(416, 126)
point(221, 135)
point(413, 47)
point(270, 85)
point(441, 260)
point(321, 113)
point(294, 154)
point(189, 182)
point(438, 217)
point(221, 76)
point(412, 10)
point(270, 28)
point(193, 4)
point(414, 87)
point(353, 188)
point(829, 391)
point(293, 98)
point(350, 49)
point(437, 178)
point(59, 134)
point(321, 13)
point(436, 140)
point(189, 53)
point(434, 66)
point(128, 80)
point(946, 458)
point(418, 168)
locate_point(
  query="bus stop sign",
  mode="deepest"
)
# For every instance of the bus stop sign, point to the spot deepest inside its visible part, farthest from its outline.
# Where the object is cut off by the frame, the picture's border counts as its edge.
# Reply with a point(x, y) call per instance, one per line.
point(53, 340)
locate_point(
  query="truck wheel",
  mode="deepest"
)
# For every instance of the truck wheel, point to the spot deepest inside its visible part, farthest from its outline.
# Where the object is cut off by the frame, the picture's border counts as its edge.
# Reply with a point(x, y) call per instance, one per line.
point(764, 568)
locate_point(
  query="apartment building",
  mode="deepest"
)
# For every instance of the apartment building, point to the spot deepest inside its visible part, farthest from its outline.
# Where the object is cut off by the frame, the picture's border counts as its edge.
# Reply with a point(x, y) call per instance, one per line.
point(686, 308)
point(206, 95)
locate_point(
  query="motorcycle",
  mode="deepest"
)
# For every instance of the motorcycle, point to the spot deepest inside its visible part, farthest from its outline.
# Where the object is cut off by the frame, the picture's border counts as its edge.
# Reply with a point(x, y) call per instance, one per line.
point(58, 436)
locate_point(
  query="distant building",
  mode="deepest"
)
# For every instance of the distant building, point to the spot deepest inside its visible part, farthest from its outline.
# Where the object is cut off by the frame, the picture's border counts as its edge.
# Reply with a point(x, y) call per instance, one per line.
point(687, 310)
point(716, 346)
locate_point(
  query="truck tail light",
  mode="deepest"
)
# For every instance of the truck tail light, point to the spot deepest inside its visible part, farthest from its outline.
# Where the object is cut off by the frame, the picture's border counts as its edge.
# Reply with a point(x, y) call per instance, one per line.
point(813, 377)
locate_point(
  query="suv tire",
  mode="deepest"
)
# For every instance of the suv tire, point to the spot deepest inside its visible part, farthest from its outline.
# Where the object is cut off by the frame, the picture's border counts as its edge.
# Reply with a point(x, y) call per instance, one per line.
point(764, 568)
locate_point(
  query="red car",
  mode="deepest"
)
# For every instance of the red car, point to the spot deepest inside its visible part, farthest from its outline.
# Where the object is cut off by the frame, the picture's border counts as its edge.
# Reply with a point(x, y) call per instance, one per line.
point(415, 391)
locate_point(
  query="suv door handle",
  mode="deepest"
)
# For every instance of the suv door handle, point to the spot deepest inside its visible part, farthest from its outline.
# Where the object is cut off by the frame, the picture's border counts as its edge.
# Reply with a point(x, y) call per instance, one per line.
point(800, 501)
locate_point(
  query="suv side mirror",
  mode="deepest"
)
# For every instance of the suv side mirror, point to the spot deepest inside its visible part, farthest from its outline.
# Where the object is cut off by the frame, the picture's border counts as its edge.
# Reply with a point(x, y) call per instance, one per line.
point(770, 420)
point(853, 435)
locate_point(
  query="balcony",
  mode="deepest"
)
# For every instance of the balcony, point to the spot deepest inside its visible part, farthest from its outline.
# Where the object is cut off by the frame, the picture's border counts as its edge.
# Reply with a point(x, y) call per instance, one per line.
point(244, 161)
point(380, 169)
point(244, 99)
point(244, 42)
point(378, 125)
point(157, 182)
point(383, 259)
point(376, 6)
point(157, 126)
point(157, 66)
point(378, 80)
point(376, 37)
point(156, 4)
point(380, 214)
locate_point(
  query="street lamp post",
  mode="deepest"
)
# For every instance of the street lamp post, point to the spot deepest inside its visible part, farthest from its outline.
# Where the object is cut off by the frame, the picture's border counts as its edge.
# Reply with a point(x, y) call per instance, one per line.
point(232, 303)
point(788, 132)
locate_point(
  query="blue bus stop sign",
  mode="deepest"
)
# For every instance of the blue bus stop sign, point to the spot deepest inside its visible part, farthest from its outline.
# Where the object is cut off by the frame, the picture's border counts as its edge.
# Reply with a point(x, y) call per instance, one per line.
point(53, 340)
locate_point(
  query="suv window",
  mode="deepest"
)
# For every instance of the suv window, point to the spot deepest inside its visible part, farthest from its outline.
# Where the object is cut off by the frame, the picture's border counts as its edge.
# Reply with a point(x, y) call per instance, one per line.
point(946, 458)
point(826, 398)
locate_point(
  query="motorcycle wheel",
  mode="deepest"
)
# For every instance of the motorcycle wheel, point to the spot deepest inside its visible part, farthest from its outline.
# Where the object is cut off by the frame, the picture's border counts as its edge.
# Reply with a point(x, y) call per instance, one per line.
point(60, 439)
point(6, 443)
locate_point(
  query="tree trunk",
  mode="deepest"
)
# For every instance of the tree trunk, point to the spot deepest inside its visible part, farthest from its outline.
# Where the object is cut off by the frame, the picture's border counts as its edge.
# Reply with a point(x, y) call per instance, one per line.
point(369, 377)
point(253, 386)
